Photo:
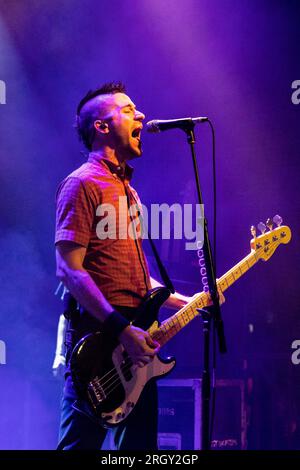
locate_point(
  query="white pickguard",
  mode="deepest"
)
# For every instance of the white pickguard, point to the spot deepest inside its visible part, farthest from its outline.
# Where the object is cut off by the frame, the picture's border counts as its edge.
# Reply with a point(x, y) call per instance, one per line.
point(134, 387)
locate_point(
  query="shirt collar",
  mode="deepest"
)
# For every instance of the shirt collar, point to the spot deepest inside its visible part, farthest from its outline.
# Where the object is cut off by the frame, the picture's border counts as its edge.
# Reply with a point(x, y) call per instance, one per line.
point(124, 173)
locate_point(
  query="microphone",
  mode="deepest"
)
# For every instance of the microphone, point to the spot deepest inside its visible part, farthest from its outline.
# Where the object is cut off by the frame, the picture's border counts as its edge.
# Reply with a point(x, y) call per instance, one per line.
point(158, 125)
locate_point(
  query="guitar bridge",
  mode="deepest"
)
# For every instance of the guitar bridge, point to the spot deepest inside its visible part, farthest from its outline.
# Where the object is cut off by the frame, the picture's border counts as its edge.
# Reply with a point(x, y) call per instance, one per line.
point(96, 392)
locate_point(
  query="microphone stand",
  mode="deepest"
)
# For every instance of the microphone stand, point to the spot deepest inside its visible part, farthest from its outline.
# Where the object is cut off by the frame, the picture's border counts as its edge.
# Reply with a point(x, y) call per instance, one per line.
point(213, 313)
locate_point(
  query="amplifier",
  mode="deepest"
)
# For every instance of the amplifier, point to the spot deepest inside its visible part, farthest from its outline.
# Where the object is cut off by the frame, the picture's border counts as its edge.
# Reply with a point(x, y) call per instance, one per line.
point(180, 415)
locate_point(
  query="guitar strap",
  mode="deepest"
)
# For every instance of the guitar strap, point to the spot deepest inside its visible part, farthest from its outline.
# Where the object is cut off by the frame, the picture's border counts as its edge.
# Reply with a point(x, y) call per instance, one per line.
point(162, 270)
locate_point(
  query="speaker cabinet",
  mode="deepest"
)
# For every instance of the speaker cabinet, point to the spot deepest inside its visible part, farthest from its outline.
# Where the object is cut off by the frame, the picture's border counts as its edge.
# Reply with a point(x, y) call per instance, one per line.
point(180, 415)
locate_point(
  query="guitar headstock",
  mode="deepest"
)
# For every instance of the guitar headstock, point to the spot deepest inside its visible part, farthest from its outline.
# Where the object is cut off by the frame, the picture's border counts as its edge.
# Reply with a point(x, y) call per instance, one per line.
point(265, 244)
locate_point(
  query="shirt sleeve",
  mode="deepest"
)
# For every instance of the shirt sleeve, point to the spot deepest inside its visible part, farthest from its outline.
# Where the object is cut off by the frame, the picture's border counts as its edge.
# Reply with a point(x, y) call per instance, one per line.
point(75, 212)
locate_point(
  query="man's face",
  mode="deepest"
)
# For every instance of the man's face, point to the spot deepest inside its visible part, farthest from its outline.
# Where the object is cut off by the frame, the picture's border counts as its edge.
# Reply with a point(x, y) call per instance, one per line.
point(125, 125)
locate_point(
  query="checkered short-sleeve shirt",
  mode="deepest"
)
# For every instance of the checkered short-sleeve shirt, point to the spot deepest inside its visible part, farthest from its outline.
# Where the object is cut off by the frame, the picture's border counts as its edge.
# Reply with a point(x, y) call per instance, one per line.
point(116, 263)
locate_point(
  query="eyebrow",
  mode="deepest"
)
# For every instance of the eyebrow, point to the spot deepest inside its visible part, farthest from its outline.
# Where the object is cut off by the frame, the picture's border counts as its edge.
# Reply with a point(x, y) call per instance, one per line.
point(129, 105)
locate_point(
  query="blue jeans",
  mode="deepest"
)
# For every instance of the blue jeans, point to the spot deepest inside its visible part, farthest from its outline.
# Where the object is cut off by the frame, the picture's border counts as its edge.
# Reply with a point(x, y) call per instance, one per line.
point(137, 432)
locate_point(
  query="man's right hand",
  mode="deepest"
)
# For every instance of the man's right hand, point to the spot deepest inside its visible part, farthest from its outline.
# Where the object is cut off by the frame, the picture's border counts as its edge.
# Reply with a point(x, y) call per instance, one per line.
point(139, 345)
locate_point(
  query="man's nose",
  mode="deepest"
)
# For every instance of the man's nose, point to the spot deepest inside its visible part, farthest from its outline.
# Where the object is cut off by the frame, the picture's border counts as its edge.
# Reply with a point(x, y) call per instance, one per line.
point(139, 116)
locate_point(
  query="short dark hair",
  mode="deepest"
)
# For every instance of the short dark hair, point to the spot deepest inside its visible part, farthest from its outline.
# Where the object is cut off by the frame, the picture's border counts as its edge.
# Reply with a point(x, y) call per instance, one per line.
point(85, 123)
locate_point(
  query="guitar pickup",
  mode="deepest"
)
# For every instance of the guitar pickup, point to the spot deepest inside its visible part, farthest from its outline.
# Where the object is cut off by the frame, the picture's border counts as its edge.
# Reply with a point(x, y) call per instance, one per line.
point(96, 392)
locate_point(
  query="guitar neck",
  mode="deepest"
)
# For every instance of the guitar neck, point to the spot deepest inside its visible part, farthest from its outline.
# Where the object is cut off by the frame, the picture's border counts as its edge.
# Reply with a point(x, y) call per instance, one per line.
point(174, 324)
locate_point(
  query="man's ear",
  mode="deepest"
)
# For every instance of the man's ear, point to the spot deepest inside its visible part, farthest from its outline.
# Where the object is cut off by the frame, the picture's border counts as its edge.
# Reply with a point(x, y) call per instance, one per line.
point(101, 126)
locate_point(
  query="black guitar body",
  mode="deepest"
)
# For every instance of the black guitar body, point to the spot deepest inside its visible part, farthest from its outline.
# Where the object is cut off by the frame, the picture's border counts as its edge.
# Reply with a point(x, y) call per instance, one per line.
point(104, 375)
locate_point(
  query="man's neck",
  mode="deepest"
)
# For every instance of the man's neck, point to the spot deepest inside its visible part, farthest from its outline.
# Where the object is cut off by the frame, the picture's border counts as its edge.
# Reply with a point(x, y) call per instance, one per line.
point(109, 154)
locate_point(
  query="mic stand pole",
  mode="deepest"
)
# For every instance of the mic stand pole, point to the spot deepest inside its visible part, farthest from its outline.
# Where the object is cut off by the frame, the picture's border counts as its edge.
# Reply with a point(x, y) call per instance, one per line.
point(213, 313)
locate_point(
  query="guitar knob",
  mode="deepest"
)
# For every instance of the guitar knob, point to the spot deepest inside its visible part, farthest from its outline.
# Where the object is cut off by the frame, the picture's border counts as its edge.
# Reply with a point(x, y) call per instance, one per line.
point(261, 226)
point(253, 231)
point(269, 224)
point(119, 414)
point(277, 220)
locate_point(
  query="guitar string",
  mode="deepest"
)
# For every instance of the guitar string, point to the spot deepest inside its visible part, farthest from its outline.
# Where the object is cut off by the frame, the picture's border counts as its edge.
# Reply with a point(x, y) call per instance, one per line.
point(114, 368)
point(108, 390)
point(127, 364)
point(124, 368)
point(117, 382)
point(128, 360)
point(161, 328)
point(114, 381)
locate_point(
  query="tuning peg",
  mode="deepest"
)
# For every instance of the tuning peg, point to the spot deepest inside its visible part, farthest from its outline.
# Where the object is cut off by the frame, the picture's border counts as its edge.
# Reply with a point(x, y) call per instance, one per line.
point(261, 226)
point(277, 220)
point(253, 231)
point(269, 224)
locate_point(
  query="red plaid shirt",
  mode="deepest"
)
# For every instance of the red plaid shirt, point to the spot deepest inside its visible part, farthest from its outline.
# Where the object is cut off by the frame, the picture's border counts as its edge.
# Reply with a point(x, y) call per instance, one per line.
point(118, 266)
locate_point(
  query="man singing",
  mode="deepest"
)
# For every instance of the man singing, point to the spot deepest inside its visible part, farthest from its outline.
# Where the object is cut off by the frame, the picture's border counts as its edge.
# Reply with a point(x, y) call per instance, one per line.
point(108, 276)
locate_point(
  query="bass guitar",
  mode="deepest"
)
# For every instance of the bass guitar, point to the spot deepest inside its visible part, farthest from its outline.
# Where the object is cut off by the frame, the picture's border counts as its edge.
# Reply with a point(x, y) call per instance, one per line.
point(102, 371)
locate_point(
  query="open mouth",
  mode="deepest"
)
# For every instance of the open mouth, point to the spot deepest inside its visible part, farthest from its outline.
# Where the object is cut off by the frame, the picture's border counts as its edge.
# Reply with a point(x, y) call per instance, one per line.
point(136, 134)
